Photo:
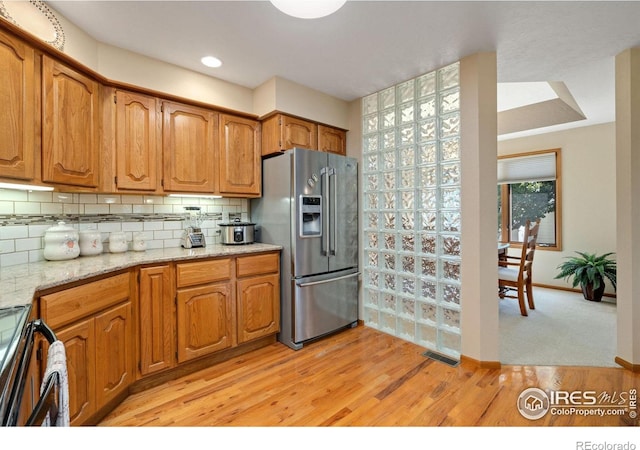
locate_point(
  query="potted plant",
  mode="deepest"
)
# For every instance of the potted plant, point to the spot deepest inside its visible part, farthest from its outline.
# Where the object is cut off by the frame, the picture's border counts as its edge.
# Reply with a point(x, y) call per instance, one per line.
point(589, 271)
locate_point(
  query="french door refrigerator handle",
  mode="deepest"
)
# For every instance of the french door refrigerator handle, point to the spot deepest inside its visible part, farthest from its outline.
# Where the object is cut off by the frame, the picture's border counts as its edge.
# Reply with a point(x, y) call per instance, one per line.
point(324, 176)
point(333, 214)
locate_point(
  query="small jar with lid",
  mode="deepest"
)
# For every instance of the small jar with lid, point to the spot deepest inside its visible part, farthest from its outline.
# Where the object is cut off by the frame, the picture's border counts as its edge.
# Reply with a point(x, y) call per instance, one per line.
point(118, 242)
point(90, 242)
point(61, 243)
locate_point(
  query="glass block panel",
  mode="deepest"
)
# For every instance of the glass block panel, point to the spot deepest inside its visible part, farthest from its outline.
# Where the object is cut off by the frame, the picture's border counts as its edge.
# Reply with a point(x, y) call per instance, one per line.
point(388, 118)
point(429, 220)
point(371, 298)
point(426, 84)
point(449, 343)
point(389, 241)
point(448, 77)
point(450, 198)
point(371, 201)
point(408, 220)
point(450, 173)
point(405, 113)
point(407, 329)
point(429, 267)
point(388, 322)
point(389, 160)
point(371, 278)
point(427, 107)
point(451, 293)
point(405, 91)
point(450, 317)
point(389, 282)
point(429, 243)
point(428, 153)
point(428, 176)
point(372, 317)
point(428, 199)
point(389, 180)
point(407, 242)
point(407, 178)
point(451, 269)
point(451, 221)
point(408, 307)
point(372, 259)
point(388, 139)
point(427, 335)
point(450, 101)
point(450, 149)
point(407, 199)
point(388, 302)
point(407, 157)
point(406, 134)
point(389, 199)
point(407, 285)
point(372, 182)
point(427, 130)
point(450, 245)
point(450, 126)
point(371, 220)
point(389, 261)
point(370, 124)
point(371, 162)
point(370, 104)
point(408, 263)
point(387, 98)
point(428, 312)
point(371, 239)
point(370, 143)
point(429, 290)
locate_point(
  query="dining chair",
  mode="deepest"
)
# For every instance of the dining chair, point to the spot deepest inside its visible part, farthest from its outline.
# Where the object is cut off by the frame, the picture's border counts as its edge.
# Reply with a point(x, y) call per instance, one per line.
point(514, 272)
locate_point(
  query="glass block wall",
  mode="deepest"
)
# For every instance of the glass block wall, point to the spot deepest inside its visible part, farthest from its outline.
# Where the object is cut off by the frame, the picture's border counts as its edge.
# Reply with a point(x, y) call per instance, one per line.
point(411, 210)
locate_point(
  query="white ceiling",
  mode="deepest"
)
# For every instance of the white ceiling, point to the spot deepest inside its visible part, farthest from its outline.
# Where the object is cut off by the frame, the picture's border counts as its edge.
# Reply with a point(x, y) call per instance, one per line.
point(369, 45)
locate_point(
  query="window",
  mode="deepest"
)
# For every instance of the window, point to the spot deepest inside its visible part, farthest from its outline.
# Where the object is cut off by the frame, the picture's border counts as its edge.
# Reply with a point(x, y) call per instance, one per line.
point(529, 188)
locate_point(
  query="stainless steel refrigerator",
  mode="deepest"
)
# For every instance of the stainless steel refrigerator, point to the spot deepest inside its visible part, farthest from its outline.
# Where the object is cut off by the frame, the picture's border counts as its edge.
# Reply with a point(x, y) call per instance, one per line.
point(309, 206)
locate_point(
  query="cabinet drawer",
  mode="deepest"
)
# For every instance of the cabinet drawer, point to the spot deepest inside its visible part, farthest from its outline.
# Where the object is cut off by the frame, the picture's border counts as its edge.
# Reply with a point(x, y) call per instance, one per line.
point(191, 274)
point(257, 264)
point(72, 304)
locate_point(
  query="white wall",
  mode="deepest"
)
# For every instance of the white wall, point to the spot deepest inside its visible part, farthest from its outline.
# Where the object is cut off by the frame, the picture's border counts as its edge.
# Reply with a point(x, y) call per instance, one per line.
point(588, 193)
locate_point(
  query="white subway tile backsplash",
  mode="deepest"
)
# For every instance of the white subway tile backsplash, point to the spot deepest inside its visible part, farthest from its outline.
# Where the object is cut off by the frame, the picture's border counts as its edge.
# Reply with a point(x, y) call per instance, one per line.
point(14, 232)
point(26, 208)
point(96, 209)
point(28, 244)
point(153, 226)
point(12, 195)
point(88, 198)
point(51, 208)
point(132, 226)
point(12, 259)
point(6, 208)
point(120, 209)
point(37, 230)
point(40, 196)
point(7, 246)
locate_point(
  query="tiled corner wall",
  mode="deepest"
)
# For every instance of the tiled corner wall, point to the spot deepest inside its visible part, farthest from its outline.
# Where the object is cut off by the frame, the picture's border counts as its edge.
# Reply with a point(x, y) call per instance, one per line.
point(25, 216)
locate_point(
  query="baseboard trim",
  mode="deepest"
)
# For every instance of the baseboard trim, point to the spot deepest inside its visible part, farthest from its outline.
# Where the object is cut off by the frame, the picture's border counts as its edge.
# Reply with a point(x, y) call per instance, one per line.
point(472, 362)
point(568, 289)
point(635, 368)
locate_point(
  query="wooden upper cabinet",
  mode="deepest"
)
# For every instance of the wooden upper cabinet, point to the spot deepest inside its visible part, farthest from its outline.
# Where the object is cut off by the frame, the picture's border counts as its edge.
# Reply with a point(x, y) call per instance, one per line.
point(138, 141)
point(189, 139)
point(332, 140)
point(70, 140)
point(239, 159)
point(18, 111)
point(281, 132)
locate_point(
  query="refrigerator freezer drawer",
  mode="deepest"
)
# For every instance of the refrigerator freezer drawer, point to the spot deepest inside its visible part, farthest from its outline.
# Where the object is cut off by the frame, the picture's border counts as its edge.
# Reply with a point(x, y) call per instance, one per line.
point(324, 303)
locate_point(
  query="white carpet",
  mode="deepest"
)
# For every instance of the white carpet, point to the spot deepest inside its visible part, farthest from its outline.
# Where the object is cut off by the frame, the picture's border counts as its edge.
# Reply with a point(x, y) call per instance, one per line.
point(563, 330)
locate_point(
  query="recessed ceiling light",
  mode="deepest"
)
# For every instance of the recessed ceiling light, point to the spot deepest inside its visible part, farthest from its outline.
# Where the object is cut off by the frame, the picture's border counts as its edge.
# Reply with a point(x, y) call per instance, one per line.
point(211, 61)
point(308, 9)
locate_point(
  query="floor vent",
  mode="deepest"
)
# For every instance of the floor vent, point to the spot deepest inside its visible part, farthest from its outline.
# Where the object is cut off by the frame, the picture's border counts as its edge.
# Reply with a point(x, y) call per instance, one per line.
point(438, 357)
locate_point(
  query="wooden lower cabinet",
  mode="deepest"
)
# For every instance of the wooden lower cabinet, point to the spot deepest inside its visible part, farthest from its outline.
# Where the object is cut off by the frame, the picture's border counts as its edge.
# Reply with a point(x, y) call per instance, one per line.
point(258, 307)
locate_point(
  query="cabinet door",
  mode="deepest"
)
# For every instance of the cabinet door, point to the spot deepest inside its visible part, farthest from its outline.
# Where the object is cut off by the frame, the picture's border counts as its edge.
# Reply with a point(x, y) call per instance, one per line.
point(258, 307)
point(114, 353)
point(298, 133)
point(204, 320)
point(70, 140)
point(332, 140)
point(189, 139)
point(17, 114)
point(156, 319)
point(79, 343)
point(240, 162)
point(138, 133)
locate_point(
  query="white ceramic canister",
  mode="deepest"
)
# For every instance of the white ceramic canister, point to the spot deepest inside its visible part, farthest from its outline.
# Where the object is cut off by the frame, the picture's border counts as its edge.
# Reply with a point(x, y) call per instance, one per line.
point(118, 242)
point(139, 244)
point(61, 242)
point(90, 242)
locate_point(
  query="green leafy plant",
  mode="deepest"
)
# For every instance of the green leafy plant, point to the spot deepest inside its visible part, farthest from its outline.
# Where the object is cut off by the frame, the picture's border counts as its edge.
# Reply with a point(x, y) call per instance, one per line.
point(589, 271)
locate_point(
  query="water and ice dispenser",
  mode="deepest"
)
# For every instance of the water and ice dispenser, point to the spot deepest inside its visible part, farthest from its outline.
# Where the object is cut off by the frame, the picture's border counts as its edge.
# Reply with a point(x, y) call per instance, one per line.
point(310, 210)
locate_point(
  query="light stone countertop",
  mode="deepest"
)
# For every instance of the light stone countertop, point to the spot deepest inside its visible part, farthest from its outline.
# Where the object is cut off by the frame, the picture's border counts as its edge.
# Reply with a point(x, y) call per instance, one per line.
point(19, 283)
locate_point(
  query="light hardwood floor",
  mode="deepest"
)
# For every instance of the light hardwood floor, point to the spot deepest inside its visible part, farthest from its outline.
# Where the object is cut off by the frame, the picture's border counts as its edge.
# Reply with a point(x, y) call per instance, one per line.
point(361, 377)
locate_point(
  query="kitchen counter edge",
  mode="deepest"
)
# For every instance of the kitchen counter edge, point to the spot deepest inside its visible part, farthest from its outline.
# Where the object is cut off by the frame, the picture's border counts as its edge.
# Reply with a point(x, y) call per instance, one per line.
point(19, 283)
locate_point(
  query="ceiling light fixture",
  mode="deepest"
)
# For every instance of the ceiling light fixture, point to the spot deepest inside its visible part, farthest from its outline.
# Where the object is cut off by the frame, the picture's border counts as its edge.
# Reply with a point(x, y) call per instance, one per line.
point(211, 61)
point(308, 9)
